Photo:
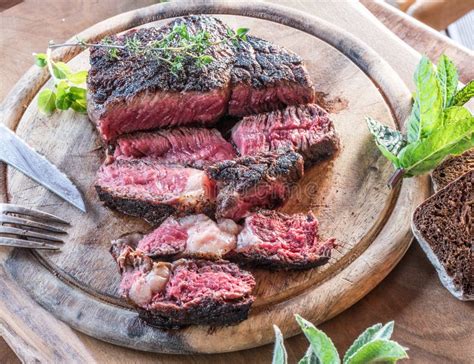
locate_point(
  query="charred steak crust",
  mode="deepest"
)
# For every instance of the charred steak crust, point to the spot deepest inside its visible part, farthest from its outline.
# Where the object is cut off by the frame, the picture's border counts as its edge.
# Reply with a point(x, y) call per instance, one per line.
point(253, 259)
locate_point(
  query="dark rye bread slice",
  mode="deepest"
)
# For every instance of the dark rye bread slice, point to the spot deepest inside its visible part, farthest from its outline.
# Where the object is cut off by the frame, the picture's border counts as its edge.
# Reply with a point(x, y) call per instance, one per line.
point(444, 227)
point(136, 92)
point(452, 168)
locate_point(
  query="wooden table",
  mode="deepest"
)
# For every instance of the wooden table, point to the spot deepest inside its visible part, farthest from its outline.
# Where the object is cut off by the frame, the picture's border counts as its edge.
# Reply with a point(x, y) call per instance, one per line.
point(436, 327)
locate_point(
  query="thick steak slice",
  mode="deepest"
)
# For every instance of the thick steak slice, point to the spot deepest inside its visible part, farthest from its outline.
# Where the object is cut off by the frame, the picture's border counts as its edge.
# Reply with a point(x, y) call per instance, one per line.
point(267, 77)
point(280, 241)
point(306, 129)
point(136, 92)
point(444, 227)
point(186, 292)
point(193, 147)
point(147, 189)
point(251, 182)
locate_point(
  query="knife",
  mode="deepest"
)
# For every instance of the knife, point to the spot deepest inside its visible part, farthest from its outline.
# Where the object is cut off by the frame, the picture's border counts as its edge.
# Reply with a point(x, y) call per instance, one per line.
point(16, 153)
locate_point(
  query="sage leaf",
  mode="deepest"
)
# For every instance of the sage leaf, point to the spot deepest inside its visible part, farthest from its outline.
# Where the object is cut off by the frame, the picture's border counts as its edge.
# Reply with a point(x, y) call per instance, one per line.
point(77, 78)
point(464, 94)
point(388, 140)
point(377, 351)
point(47, 101)
point(321, 345)
point(448, 80)
point(363, 339)
point(309, 357)
point(60, 70)
point(279, 352)
point(41, 59)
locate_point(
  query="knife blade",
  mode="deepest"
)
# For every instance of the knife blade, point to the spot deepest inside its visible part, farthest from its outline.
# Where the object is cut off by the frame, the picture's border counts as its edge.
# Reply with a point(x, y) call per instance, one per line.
point(19, 155)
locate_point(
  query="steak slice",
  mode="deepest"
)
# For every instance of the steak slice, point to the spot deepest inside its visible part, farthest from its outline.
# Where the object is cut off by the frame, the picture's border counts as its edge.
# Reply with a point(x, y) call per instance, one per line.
point(280, 241)
point(444, 227)
point(186, 292)
point(261, 181)
point(137, 92)
point(145, 188)
point(193, 236)
point(267, 77)
point(192, 147)
point(306, 129)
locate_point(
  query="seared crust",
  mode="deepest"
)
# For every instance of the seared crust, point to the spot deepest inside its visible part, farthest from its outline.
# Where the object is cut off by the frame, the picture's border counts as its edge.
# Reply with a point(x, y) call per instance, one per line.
point(274, 263)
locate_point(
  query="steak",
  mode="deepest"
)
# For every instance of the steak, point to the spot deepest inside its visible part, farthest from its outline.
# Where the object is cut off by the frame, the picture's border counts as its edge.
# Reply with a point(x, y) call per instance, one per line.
point(261, 181)
point(195, 236)
point(193, 147)
point(137, 92)
point(280, 241)
point(145, 188)
point(305, 129)
point(267, 77)
point(186, 292)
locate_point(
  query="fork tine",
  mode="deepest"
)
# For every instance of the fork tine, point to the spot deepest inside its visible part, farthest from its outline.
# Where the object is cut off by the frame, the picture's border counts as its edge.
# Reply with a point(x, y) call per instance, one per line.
point(19, 243)
point(27, 234)
point(5, 207)
point(9, 219)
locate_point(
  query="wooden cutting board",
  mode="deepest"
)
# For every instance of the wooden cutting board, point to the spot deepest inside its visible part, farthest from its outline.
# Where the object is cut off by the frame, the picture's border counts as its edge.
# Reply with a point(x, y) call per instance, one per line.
point(348, 193)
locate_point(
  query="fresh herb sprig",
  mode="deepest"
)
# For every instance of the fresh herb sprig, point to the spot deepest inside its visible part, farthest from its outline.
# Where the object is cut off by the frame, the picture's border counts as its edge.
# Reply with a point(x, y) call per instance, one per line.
point(438, 125)
point(67, 92)
point(373, 345)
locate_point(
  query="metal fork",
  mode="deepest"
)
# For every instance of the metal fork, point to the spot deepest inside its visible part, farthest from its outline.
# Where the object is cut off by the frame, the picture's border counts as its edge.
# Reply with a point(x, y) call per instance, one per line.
point(29, 228)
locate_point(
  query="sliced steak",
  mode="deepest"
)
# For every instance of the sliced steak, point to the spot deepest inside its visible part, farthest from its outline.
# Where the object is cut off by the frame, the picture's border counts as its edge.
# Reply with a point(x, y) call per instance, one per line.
point(305, 129)
point(145, 188)
point(136, 92)
point(280, 241)
point(193, 147)
point(247, 183)
point(186, 292)
point(193, 236)
point(267, 77)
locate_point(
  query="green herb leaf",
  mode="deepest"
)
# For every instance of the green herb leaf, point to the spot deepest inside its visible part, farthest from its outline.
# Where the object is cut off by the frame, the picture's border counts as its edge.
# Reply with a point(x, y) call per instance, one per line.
point(388, 140)
point(242, 33)
point(41, 59)
point(78, 78)
point(61, 70)
point(413, 122)
point(455, 113)
point(377, 351)
point(77, 93)
point(63, 102)
point(47, 101)
point(279, 353)
point(321, 344)
point(464, 95)
point(206, 59)
point(448, 80)
point(309, 358)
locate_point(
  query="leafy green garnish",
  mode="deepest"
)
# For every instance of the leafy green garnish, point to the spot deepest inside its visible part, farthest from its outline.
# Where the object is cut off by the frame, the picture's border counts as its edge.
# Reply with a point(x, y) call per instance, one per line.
point(47, 101)
point(448, 80)
point(378, 351)
point(279, 352)
point(40, 59)
point(465, 94)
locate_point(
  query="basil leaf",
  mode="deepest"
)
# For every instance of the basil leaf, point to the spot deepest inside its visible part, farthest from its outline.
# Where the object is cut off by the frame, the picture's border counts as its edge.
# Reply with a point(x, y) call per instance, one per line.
point(321, 345)
point(464, 95)
point(78, 77)
point(61, 70)
point(448, 80)
point(309, 358)
point(47, 101)
point(279, 352)
point(455, 137)
point(388, 140)
point(377, 351)
point(41, 59)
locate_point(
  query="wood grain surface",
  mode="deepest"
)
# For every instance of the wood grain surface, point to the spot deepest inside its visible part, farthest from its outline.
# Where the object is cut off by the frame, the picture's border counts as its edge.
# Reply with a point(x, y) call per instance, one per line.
point(435, 326)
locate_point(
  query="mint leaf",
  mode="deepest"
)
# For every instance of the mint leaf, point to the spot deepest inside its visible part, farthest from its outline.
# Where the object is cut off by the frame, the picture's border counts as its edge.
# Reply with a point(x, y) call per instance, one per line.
point(413, 122)
point(388, 140)
point(464, 95)
point(41, 59)
point(62, 100)
point(454, 137)
point(377, 351)
point(448, 80)
point(309, 357)
point(47, 101)
point(321, 345)
point(454, 113)
point(279, 352)
point(77, 78)
point(363, 338)
point(61, 70)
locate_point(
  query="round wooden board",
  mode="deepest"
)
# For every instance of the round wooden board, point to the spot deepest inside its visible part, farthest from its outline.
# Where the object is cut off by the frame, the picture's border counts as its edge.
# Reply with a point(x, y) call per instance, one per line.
point(348, 193)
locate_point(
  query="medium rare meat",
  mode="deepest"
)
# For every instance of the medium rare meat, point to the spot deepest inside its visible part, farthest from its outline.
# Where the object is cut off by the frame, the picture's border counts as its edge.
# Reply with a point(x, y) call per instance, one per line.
point(247, 183)
point(136, 92)
point(305, 129)
point(280, 241)
point(193, 147)
point(267, 77)
point(186, 292)
point(145, 188)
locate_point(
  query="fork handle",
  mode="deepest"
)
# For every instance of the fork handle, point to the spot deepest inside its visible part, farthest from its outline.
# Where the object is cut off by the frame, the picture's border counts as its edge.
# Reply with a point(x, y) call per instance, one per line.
point(34, 334)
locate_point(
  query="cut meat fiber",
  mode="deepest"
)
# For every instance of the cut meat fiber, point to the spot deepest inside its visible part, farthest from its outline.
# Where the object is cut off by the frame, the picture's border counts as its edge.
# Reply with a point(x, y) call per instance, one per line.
point(132, 93)
point(305, 129)
point(193, 147)
point(153, 191)
point(252, 182)
point(186, 292)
